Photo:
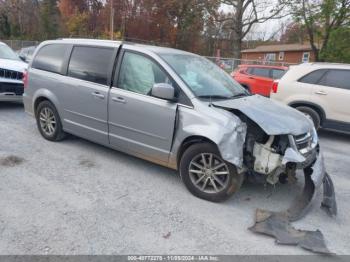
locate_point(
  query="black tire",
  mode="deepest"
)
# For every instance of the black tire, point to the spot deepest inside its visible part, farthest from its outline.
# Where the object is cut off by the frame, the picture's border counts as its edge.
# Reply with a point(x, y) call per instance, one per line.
point(58, 134)
point(232, 182)
point(316, 118)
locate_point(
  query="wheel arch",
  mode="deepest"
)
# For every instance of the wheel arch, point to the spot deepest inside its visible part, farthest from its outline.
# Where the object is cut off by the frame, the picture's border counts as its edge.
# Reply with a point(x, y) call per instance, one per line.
point(313, 106)
point(45, 95)
point(189, 141)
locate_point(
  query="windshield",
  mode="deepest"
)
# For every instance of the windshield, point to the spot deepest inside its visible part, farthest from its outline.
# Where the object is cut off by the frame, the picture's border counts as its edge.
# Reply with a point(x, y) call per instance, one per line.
point(7, 53)
point(203, 77)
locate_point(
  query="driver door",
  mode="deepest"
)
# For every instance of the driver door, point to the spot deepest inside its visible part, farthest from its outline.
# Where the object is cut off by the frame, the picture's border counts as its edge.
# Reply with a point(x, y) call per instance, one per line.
point(138, 122)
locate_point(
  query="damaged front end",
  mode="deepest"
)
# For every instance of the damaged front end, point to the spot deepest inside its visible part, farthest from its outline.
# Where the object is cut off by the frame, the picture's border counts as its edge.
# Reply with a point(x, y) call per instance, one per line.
point(278, 143)
point(277, 158)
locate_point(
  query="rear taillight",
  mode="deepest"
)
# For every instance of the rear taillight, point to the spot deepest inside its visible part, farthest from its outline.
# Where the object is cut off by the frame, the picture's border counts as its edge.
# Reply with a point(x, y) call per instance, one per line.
point(25, 79)
point(274, 87)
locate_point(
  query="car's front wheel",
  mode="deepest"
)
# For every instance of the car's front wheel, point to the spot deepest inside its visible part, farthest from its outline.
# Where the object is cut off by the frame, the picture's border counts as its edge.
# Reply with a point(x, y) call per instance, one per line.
point(206, 175)
point(49, 122)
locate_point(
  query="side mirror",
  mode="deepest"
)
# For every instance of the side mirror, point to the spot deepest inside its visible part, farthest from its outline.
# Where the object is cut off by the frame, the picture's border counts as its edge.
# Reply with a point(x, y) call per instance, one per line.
point(164, 91)
point(23, 58)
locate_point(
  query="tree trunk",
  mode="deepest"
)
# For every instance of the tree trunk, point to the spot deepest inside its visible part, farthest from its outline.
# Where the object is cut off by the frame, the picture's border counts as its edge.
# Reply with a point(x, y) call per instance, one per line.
point(237, 46)
point(237, 30)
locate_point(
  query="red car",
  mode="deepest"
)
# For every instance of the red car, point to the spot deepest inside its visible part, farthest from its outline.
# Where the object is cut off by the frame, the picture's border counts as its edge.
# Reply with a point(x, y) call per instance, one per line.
point(258, 79)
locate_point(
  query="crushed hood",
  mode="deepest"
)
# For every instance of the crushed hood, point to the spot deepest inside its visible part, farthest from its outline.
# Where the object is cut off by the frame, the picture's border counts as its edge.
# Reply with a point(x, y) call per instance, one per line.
point(273, 117)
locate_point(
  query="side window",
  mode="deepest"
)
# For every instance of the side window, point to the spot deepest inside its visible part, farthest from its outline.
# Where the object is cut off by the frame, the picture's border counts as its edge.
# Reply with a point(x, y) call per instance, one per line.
point(313, 77)
point(263, 72)
point(90, 63)
point(277, 73)
point(336, 78)
point(139, 73)
point(250, 70)
point(50, 58)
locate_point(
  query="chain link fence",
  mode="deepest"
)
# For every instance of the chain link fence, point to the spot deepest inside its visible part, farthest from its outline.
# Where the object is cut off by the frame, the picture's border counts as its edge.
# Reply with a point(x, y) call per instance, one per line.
point(230, 64)
point(19, 44)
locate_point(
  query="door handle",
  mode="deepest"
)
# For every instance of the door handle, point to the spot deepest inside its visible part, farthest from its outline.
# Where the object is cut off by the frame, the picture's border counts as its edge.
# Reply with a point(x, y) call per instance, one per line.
point(321, 93)
point(119, 100)
point(98, 95)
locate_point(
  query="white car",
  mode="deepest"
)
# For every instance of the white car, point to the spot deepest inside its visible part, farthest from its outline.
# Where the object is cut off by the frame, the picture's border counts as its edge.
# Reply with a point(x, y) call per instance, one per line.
point(11, 74)
point(319, 90)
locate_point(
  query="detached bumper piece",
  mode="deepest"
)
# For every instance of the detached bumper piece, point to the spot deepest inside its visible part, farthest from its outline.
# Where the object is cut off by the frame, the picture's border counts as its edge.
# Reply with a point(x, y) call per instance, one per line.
point(277, 224)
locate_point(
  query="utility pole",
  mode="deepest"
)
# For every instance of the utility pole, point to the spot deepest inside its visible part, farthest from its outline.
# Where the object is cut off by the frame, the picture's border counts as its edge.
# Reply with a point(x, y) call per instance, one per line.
point(112, 20)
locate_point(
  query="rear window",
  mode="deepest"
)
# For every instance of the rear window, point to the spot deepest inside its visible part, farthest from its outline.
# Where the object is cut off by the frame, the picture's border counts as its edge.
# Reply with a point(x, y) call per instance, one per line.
point(277, 73)
point(50, 58)
point(313, 77)
point(90, 63)
point(336, 78)
point(263, 72)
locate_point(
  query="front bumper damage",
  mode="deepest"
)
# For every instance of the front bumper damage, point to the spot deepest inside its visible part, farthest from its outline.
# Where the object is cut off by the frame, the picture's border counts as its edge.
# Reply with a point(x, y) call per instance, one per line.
point(277, 224)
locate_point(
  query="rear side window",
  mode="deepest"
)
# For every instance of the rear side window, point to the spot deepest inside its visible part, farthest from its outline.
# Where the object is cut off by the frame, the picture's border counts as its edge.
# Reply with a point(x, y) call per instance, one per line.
point(336, 78)
point(50, 58)
point(277, 73)
point(250, 70)
point(263, 72)
point(313, 77)
point(90, 63)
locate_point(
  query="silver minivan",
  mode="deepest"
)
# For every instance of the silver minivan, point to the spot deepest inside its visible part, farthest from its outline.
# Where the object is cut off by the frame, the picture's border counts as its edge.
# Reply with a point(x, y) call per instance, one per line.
point(173, 108)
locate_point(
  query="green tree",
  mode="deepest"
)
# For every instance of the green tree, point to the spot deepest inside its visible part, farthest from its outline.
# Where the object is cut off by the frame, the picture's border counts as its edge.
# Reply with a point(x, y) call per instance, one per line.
point(50, 19)
point(321, 18)
point(338, 47)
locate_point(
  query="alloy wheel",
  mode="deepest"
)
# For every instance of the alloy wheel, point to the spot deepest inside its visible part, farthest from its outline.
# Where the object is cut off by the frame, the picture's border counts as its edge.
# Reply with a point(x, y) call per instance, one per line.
point(209, 173)
point(47, 121)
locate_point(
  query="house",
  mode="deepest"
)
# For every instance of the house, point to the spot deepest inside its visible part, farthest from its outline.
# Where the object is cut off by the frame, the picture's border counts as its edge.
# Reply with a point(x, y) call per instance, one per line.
point(284, 53)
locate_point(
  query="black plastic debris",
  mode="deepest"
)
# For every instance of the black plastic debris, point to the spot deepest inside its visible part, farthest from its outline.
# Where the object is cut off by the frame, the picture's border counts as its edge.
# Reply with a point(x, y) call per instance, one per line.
point(278, 226)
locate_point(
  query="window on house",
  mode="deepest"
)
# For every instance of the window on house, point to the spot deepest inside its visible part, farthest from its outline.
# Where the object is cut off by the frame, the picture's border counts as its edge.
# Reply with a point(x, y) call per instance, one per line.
point(281, 56)
point(306, 57)
point(270, 57)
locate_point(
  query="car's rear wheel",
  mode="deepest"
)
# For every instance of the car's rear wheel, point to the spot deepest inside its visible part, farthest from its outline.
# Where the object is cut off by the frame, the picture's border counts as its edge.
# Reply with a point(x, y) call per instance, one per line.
point(206, 175)
point(49, 122)
point(311, 114)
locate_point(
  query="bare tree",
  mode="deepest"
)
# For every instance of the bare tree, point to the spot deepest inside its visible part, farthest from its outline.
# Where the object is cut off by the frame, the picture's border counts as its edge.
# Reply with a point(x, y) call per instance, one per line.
point(247, 13)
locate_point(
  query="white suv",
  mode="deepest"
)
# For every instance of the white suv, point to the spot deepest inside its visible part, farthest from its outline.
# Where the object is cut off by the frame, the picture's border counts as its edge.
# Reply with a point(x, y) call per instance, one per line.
point(319, 90)
point(11, 74)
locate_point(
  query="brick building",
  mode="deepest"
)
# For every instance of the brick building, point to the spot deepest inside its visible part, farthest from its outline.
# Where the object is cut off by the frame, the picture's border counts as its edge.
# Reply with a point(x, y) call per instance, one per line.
point(288, 53)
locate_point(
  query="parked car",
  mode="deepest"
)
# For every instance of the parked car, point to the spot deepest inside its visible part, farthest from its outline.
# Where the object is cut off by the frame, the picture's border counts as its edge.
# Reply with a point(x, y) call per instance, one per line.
point(319, 90)
point(258, 79)
point(170, 107)
point(11, 74)
point(26, 53)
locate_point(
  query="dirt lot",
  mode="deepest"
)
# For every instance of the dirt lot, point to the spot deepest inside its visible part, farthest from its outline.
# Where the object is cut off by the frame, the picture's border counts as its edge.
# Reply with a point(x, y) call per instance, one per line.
point(76, 197)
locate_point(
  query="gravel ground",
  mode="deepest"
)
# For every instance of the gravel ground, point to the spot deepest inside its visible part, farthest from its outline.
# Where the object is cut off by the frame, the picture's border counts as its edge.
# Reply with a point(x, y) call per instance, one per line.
point(76, 197)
